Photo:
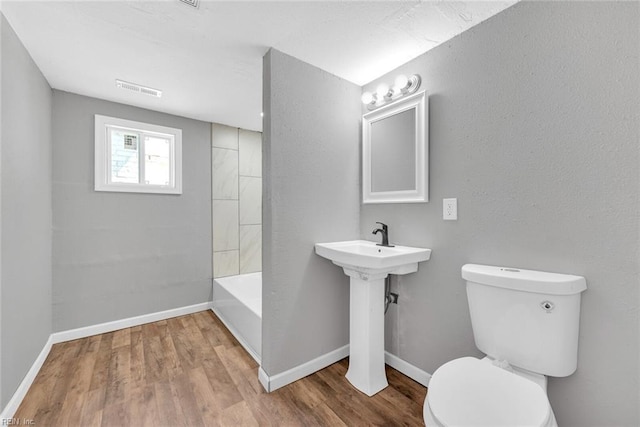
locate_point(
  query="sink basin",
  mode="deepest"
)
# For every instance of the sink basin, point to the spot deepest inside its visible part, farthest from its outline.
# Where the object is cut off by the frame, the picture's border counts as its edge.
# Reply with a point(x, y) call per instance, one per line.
point(365, 256)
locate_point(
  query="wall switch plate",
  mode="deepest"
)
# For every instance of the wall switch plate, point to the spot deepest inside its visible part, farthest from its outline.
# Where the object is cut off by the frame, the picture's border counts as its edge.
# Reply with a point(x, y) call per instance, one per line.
point(450, 209)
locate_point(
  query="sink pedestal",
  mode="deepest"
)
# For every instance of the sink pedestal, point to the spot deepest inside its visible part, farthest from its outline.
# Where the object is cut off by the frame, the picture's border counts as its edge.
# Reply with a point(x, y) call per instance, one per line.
point(366, 331)
point(367, 265)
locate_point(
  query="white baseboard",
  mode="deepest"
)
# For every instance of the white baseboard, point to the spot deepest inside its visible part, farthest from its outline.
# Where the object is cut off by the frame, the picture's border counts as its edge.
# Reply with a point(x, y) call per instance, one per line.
point(416, 374)
point(73, 334)
point(237, 335)
point(280, 380)
point(102, 328)
point(287, 377)
point(12, 406)
point(264, 379)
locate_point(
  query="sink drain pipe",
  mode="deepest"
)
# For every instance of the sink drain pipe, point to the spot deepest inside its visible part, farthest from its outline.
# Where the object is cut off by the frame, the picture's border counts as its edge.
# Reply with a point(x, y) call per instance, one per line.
point(389, 297)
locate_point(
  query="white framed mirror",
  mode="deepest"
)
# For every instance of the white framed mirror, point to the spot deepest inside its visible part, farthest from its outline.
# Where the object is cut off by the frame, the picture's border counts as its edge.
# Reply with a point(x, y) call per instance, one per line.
point(395, 152)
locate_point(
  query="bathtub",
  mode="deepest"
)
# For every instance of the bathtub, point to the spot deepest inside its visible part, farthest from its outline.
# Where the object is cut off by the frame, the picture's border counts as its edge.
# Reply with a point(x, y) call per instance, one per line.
point(237, 301)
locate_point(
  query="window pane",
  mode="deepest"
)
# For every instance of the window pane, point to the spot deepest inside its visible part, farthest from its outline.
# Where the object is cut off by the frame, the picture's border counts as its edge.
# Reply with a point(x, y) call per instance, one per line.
point(124, 156)
point(157, 162)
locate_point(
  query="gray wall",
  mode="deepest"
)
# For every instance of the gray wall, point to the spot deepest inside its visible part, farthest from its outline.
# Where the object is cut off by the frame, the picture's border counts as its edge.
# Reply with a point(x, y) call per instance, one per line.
point(534, 128)
point(117, 255)
point(311, 194)
point(25, 225)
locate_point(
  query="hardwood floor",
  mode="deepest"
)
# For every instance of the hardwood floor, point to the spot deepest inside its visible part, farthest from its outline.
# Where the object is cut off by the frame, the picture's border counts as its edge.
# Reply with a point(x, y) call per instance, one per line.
point(191, 371)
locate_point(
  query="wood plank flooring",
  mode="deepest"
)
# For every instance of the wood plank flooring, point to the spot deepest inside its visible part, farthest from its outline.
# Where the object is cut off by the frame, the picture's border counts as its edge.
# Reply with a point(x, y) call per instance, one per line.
point(190, 371)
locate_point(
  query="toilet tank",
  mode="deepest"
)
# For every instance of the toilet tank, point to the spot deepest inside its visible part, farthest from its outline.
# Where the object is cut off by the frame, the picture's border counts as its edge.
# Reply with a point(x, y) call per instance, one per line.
point(528, 318)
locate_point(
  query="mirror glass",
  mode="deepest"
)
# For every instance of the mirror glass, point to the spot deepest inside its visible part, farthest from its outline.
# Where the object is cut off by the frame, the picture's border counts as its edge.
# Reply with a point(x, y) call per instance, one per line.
point(395, 152)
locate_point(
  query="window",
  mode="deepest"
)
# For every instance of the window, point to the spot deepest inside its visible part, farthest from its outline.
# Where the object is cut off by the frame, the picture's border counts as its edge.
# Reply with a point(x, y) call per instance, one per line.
point(137, 157)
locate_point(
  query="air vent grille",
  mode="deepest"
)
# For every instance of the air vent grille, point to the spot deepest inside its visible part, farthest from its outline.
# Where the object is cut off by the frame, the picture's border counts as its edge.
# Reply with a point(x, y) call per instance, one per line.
point(138, 88)
point(193, 3)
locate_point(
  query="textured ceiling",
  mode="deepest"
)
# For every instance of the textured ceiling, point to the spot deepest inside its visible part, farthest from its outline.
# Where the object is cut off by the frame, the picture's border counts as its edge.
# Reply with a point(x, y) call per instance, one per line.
point(208, 61)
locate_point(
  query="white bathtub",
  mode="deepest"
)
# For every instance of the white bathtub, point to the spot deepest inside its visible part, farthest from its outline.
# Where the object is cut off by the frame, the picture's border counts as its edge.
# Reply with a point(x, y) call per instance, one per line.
point(237, 301)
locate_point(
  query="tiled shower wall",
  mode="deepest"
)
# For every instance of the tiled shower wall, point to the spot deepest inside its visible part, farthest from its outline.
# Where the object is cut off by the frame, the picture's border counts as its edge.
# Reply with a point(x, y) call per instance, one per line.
point(236, 190)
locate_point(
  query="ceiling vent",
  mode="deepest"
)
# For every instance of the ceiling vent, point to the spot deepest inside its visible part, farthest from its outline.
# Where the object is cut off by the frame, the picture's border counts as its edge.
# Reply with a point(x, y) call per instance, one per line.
point(138, 88)
point(192, 3)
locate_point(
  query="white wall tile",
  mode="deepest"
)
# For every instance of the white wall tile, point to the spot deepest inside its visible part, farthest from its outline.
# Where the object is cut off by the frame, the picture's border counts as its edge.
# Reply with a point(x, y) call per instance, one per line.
point(225, 225)
point(250, 200)
point(250, 248)
point(250, 153)
point(236, 160)
point(224, 174)
point(224, 136)
point(225, 263)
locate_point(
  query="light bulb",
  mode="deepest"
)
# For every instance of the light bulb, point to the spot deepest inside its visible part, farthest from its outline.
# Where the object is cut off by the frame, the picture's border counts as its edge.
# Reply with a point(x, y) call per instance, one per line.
point(401, 82)
point(367, 98)
point(382, 90)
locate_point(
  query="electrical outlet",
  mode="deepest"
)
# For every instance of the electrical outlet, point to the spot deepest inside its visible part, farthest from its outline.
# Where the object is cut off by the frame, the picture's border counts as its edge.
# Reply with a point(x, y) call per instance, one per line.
point(450, 209)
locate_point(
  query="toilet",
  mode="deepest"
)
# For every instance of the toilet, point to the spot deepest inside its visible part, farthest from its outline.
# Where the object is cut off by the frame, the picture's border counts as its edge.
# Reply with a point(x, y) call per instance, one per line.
point(526, 322)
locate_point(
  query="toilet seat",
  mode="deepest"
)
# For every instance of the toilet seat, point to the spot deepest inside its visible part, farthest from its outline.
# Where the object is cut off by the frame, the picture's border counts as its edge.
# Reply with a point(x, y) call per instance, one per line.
point(471, 392)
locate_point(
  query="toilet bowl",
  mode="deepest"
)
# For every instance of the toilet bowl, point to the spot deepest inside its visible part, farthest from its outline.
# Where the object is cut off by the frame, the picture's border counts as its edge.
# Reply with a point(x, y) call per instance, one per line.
point(474, 392)
point(526, 322)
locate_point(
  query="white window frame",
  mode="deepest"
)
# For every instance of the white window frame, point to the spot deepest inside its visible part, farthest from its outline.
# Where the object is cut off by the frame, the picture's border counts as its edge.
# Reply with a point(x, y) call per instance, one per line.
point(103, 156)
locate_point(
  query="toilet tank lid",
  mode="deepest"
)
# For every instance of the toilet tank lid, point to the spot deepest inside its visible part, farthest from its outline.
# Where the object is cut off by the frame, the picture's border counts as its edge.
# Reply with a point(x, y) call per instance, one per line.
point(524, 280)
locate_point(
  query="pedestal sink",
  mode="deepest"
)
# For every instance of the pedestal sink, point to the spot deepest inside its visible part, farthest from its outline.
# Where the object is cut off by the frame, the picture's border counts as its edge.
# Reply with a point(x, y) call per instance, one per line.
point(367, 265)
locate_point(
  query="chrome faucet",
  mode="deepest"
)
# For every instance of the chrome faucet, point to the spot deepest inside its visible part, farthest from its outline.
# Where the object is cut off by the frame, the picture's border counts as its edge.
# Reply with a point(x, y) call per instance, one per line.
point(385, 235)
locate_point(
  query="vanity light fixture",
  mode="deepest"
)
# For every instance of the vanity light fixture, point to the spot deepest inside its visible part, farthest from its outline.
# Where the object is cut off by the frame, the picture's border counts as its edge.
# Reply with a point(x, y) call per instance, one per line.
point(402, 86)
